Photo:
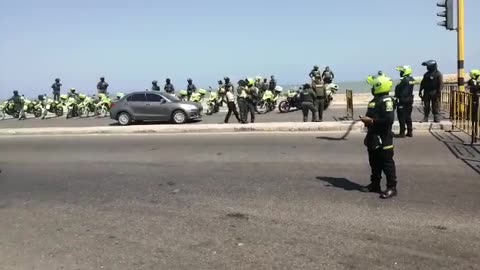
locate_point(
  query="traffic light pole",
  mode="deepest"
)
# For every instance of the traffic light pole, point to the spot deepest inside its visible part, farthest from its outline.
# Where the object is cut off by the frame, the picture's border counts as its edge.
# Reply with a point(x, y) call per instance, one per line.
point(461, 44)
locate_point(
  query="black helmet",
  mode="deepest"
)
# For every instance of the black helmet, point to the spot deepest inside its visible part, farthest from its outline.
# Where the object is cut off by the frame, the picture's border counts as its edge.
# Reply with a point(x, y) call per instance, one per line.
point(242, 83)
point(40, 97)
point(154, 82)
point(272, 77)
point(380, 73)
point(189, 80)
point(227, 79)
point(168, 80)
point(57, 80)
point(315, 67)
point(430, 64)
point(15, 92)
point(220, 82)
point(307, 86)
point(102, 78)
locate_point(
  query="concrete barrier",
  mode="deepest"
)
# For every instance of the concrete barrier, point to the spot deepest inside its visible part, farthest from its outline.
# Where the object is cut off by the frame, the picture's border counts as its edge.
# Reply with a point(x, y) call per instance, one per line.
point(214, 128)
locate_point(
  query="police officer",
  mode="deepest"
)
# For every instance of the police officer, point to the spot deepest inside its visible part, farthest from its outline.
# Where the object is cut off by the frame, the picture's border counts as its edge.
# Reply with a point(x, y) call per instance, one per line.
point(379, 139)
point(327, 76)
point(242, 100)
point(228, 85)
point(316, 76)
point(155, 86)
point(169, 88)
point(56, 89)
point(18, 102)
point(430, 90)
point(73, 93)
point(252, 96)
point(320, 93)
point(474, 86)
point(229, 98)
point(264, 85)
point(404, 96)
point(191, 88)
point(273, 83)
point(308, 99)
point(220, 85)
point(102, 86)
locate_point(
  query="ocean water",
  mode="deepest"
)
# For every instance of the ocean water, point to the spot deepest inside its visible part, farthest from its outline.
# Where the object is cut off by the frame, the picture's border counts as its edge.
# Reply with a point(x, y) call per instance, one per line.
point(355, 86)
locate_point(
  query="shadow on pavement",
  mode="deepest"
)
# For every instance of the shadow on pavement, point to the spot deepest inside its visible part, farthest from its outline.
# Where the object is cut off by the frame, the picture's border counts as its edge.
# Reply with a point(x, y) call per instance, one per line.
point(341, 138)
point(467, 153)
point(342, 183)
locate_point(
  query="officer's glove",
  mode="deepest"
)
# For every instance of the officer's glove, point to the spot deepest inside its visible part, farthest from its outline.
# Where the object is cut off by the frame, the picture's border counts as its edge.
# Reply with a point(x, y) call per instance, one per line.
point(367, 120)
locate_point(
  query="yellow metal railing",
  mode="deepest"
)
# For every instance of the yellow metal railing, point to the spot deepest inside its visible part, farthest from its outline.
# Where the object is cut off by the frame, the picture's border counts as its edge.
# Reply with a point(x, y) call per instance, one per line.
point(463, 109)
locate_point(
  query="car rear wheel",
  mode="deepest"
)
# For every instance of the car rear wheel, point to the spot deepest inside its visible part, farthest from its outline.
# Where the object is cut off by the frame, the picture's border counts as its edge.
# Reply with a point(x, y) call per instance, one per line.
point(124, 119)
point(179, 117)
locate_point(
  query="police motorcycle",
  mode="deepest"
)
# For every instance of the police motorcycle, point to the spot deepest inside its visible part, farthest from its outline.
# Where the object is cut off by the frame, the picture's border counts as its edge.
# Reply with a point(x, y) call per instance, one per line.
point(292, 101)
point(53, 106)
point(32, 107)
point(214, 102)
point(269, 100)
point(9, 108)
point(199, 97)
point(183, 95)
point(102, 107)
point(86, 106)
point(71, 103)
point(330, 91)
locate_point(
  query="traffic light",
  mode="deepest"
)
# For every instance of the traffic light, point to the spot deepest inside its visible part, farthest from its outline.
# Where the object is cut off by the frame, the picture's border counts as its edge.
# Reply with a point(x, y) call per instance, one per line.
point(447, 13)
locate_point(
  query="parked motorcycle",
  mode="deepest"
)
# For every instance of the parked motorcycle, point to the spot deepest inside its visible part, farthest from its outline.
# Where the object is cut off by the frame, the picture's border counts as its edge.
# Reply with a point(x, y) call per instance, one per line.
point(32, 107)
point(72, 107)
point(102, 108)
point(330, 90)
point(9, 108)
point(52, 106)
point(214, 103)
point(86, 106)
point(199, 96)
point(292, 101)
point(183, 95)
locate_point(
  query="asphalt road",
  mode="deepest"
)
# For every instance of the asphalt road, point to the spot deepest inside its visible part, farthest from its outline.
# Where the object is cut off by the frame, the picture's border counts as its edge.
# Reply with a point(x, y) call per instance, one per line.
point(332, 114)
point(232, 201)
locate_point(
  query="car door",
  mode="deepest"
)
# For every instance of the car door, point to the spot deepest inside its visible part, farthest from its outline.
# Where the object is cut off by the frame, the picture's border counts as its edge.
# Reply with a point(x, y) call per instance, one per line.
point(138, 104)
point(157, 107)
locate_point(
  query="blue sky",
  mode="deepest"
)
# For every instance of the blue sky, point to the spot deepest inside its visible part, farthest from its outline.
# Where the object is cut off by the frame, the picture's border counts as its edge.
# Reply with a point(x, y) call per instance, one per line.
point(132, 43)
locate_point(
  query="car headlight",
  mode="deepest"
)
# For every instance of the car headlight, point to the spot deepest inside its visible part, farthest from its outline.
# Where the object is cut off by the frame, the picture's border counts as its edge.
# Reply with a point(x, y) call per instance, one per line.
point(191, 108)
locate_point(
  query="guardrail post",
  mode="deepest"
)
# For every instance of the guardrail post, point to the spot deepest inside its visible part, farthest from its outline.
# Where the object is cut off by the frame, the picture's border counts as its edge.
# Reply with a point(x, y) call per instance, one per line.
point(349, 99)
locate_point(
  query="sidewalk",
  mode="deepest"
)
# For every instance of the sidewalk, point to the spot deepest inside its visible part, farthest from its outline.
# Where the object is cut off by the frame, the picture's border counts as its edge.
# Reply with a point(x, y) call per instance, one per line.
point(339, 126)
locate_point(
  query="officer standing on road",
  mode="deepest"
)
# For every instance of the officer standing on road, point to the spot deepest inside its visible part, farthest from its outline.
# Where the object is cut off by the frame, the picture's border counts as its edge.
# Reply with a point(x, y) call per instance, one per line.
point(242, 100)
point(404, 96)
point(252, 96)
point(229, 98)
point(191, 88)
point(56, 89)
point(102, 86)
point(169, 88)
point(155, 86)
point(379, 139)
point(320, 93)
point(308, 99)
point(431, 89)
point(474, 86)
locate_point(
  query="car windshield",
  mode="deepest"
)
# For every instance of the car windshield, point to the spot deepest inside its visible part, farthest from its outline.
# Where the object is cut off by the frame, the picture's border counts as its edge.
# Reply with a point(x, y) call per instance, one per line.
point(171, 97)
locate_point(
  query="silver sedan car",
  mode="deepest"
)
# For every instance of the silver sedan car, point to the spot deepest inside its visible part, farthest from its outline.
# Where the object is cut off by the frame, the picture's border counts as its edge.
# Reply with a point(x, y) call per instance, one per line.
point(154, 106)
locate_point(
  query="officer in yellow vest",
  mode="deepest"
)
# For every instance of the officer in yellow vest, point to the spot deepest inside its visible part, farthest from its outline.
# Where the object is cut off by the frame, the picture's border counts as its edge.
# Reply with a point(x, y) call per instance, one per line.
point(252, 96)
point(242, 100)
point(379, 139)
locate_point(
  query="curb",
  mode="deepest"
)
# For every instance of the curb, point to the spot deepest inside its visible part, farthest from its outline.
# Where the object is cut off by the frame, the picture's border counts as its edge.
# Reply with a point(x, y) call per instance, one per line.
point(345, 126)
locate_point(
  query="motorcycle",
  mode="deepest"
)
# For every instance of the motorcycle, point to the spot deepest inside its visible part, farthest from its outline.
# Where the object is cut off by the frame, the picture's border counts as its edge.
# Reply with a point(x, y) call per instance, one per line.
point(52, 106)
point(32, 107)
point(9, 108)
point(330, 91)
point(199, 96)
point(183, 95)
point(102, 108)
point(86, 106)
point(214, 103)
point(292, 101)
point(72, 106)
point(269, 100)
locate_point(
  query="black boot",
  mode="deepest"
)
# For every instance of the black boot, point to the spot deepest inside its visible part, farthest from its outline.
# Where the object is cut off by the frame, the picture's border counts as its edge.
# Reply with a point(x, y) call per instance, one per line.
point(436, 119)
point(373, 187)
point(409, 133)
point(401, 134)
point(389, 193)
point(425, 119)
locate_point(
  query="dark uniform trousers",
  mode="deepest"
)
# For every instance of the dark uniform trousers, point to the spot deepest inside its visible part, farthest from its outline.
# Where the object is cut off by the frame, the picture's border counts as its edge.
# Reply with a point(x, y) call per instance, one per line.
point(382, 160)
point(232, 108)
point(251, 108)
point(431, 101)
point(320, 107)
point(56, 95)
point(404, 114)
point(242, 106)
point(306, 107)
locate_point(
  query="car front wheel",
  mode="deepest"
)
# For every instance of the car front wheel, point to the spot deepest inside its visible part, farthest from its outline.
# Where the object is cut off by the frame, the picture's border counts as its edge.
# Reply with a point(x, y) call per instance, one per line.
point(124, 119)
point(179, 117)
